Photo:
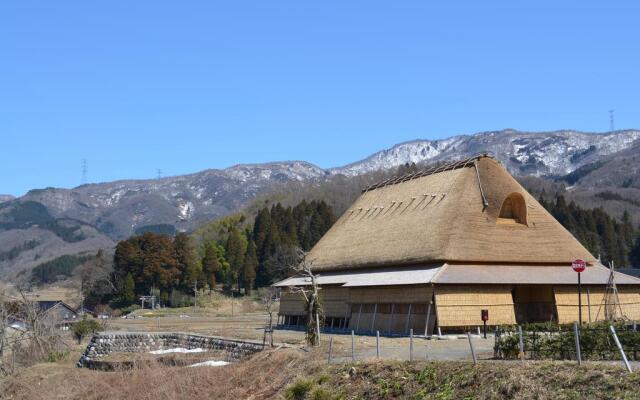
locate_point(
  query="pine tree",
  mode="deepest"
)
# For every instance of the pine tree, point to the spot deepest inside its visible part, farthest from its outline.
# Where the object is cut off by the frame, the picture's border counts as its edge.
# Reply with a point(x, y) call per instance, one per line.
point(634, 254)
point(235, 250)
point(210, 264)
point(250, 265)
point(184, 254)
point(127, 293)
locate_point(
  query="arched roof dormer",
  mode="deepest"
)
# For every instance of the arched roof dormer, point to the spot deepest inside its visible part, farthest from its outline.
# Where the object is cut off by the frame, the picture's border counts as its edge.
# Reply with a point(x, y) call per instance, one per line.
point(513, 210)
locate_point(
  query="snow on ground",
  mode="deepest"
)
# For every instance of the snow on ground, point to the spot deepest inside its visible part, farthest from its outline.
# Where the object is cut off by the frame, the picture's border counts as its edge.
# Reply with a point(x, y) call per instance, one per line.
point(210, 363)
point(177, 350)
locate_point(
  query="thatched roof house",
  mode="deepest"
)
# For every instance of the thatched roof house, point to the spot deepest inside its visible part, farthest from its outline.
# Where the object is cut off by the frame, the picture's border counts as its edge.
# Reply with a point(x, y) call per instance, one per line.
point(440, 245)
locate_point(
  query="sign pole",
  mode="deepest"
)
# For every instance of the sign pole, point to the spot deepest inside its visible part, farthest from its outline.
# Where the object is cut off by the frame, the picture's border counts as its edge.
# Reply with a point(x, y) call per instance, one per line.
point(484, 315)
point(579, 299)
point(579, 266)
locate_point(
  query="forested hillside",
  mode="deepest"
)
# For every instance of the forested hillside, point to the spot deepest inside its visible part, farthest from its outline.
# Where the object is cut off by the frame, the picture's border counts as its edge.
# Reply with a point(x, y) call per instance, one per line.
point(234, 252)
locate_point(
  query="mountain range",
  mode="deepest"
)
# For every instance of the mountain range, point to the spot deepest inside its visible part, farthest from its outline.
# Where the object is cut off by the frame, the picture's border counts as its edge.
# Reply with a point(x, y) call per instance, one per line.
point(46, 223)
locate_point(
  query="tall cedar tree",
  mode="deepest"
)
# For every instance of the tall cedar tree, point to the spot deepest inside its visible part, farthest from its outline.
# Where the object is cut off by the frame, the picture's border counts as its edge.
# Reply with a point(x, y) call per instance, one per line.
point(185, 256)
point(250, 265)
point(235, 250)
point(601, 234)
point(210, 264)
point(279, 229)
point(127, 295)
point(150, 259)
point(634, 255)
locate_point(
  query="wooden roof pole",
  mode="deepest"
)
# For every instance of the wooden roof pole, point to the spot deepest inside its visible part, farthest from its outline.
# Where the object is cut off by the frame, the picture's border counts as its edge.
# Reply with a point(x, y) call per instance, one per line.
point(485, 203)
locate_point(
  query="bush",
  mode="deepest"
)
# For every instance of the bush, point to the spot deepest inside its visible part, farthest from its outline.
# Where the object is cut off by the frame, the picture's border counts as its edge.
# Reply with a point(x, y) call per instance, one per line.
point(85, 327)
point(552, 341)
point(129, 309)
point(56, 356)
point(299, 390)
point(321, 394)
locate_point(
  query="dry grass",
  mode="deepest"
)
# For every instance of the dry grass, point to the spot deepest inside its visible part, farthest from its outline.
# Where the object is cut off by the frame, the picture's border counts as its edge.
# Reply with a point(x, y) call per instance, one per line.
point(462, 380)
point(262, 377)
point(295, 374)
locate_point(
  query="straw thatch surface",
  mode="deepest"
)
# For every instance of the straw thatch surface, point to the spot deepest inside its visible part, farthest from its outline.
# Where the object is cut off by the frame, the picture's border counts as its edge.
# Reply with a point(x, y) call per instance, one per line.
point(567, 303)
point(462, 305)
point(441, 217)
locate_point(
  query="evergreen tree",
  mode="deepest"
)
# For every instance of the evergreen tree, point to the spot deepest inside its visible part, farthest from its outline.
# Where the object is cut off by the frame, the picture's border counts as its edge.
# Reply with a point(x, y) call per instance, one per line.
point(235, 250)
point(127, 294)
point(210, 264)
point(185, 257)
point(250, 265)
point(634, 254)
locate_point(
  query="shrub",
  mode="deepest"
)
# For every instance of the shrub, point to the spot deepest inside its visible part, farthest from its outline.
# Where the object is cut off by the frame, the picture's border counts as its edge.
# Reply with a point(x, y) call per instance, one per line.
point(56, 356)
point(299, 390)
point(85, 327)
point(549, 341)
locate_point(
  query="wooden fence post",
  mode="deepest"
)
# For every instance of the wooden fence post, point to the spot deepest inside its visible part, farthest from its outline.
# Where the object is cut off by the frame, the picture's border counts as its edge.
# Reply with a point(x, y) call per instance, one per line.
point(624, 356)
point(576, 333)
point(473, 353)
point(330, 350)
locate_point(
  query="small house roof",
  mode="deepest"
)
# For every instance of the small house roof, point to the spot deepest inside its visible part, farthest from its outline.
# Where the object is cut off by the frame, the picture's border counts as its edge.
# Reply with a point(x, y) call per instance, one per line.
point(448, 214)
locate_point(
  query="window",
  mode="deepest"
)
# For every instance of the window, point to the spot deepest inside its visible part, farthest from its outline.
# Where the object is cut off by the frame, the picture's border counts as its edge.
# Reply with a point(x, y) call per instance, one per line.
point(513, 210)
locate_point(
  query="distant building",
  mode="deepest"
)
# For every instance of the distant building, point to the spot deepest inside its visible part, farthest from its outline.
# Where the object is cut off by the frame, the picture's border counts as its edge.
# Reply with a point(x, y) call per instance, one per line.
point(50, 312)
point(436, 247)
point(57, 313)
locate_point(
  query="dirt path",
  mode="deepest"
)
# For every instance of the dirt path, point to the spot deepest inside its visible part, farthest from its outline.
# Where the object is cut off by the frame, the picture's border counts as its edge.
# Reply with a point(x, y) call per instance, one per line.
point(251, 325)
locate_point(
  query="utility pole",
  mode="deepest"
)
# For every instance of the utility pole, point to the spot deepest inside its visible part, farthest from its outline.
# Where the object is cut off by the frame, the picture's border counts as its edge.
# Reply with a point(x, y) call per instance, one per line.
point(85, 170)
point(611, 124)
point(195, 295)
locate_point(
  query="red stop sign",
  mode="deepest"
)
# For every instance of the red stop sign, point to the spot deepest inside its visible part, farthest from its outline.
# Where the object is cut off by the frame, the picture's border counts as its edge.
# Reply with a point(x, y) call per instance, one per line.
point(578, 265)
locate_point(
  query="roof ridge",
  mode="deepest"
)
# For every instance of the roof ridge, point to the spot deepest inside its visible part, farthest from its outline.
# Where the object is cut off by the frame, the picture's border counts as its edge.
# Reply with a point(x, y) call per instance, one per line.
point(467, 162)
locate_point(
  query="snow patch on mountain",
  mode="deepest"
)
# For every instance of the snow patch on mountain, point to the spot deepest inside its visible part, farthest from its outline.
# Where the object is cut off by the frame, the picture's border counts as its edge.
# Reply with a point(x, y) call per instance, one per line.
point(531, 153)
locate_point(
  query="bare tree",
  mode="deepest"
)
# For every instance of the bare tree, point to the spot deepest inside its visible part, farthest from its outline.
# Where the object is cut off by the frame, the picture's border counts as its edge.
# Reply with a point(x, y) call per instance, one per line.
point(33, 339)
point(268, 297)
point(310, 292)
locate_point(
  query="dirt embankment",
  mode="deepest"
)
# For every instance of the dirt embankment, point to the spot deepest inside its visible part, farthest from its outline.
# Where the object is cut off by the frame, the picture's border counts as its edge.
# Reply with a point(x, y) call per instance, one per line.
point(296, 374)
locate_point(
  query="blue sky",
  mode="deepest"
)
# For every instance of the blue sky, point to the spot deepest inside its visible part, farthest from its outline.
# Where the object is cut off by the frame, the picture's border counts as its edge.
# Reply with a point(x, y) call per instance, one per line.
point(133, 86)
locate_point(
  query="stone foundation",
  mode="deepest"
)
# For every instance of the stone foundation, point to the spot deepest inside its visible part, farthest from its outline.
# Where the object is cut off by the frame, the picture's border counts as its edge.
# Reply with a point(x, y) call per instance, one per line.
point(102, 344)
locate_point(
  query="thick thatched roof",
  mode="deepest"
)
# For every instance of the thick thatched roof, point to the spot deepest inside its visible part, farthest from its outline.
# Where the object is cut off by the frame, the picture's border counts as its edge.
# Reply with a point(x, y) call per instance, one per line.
point(450, 214)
